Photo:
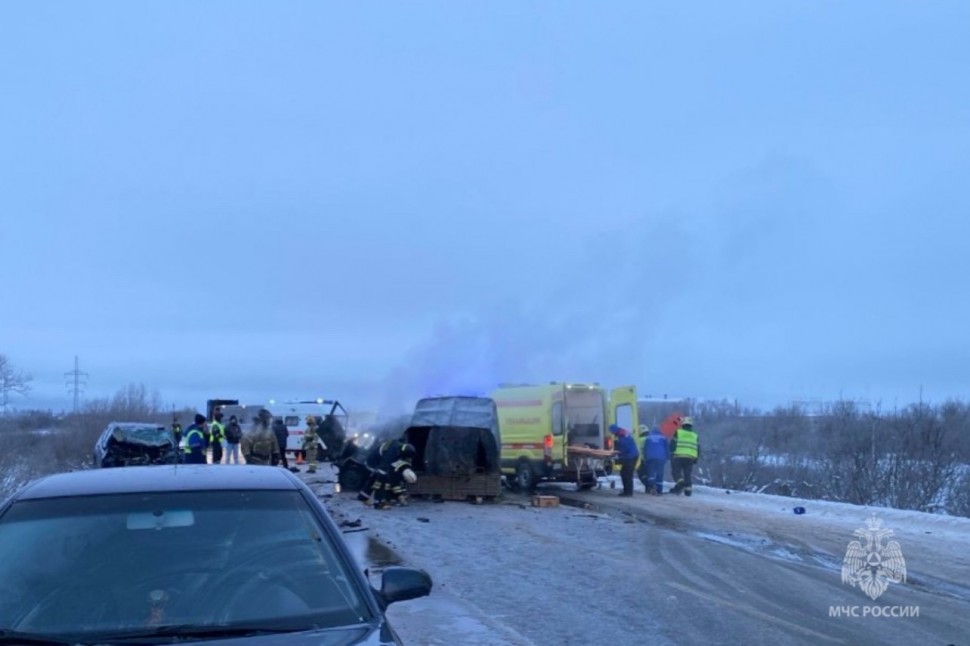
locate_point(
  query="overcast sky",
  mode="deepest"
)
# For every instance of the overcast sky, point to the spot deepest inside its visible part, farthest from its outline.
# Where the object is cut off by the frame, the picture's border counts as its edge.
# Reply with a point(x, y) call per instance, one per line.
point(766, 201)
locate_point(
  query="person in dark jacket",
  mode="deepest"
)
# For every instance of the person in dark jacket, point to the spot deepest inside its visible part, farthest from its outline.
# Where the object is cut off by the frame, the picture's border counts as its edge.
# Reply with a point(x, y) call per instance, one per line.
point(655, 455)
point(626, 447)
point(281, 433)
point(233, 438)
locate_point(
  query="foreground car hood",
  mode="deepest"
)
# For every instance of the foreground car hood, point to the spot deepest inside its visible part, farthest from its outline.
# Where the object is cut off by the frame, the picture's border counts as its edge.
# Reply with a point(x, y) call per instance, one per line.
point(365, 635)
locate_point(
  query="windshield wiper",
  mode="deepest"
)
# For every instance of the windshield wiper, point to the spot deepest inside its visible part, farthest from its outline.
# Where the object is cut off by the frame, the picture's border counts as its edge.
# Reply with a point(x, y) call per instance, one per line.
point(192, 631)
point(29, 639)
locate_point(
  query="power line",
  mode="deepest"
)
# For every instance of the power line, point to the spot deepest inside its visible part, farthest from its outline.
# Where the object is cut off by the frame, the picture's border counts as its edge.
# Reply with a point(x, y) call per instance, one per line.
point(76, 387)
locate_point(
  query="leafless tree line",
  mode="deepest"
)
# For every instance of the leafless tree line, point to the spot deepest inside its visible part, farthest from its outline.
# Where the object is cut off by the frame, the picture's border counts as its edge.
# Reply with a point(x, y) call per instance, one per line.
point(12, 381)
point(917, 457)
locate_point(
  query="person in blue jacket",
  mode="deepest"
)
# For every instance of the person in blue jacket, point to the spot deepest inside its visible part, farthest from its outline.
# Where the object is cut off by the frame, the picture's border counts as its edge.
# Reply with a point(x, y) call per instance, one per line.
point(626, 447)
point(194, 442)
point(656, 452)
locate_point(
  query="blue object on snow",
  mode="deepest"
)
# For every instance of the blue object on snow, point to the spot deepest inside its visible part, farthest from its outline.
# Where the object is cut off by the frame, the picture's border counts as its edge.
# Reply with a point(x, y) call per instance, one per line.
point(799, 510)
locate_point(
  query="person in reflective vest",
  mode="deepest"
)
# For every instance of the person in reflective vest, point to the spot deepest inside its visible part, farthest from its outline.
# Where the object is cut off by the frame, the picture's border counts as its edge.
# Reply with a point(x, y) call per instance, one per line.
point(685, 449)
point(193, 444)
point(217, 434)
point(176, 430)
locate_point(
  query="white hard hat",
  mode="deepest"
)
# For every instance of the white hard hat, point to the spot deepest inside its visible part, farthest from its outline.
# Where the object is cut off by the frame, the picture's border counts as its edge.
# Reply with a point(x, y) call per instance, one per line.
point(410, 476)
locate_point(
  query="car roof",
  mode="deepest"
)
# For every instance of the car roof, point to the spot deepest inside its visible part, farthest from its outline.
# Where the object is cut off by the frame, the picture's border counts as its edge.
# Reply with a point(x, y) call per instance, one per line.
point(161, 478)
point(138, 425)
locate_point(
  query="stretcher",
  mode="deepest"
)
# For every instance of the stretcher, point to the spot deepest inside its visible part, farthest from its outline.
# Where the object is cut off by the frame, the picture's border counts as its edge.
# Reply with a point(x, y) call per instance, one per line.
point(585, 459)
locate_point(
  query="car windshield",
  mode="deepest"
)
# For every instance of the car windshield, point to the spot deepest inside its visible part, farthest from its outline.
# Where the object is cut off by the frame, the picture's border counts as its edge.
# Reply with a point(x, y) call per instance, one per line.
point(121, 563)
point(142, 434)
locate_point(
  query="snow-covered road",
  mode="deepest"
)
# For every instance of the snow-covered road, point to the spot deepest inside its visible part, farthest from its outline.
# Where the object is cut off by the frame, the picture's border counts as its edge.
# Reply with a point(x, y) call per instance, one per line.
point(715, 568)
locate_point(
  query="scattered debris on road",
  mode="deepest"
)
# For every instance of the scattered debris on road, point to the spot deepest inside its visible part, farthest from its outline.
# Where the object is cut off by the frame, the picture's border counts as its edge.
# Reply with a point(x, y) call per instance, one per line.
point(545, 501)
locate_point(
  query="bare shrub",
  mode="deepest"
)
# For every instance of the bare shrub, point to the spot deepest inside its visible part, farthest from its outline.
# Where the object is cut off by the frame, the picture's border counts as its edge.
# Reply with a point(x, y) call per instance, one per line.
point(958, 498)
point(908, 458)
point(12, 380)
point(918, 462)
point(732, 450)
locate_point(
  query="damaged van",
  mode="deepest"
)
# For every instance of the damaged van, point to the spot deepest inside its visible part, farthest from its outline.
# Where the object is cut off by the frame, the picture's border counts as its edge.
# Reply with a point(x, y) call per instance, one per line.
point(458, 444)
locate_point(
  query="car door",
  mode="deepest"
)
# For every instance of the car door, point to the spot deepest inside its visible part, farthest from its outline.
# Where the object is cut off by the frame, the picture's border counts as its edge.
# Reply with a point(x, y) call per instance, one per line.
point(623, 411)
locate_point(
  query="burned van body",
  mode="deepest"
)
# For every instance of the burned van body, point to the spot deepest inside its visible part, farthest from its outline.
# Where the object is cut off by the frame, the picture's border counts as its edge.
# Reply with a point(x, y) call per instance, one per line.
point(458, 445)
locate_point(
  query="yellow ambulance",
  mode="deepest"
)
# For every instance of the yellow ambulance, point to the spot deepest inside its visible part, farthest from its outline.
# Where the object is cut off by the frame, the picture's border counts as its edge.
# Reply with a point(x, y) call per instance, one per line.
point(539, 424)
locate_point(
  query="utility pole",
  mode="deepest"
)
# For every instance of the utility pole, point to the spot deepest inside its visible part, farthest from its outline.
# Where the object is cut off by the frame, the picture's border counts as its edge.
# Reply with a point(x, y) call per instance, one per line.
point(75, 387)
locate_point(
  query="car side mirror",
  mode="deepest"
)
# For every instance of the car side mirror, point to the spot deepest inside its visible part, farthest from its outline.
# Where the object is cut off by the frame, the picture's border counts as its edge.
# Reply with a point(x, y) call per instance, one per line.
point(403, 583)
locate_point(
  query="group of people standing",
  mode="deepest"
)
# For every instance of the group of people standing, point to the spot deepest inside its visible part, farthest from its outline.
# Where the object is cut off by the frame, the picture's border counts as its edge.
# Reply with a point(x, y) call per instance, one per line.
point(264, 443)
point(226, 443)
point(682, 450)
point(202, 436)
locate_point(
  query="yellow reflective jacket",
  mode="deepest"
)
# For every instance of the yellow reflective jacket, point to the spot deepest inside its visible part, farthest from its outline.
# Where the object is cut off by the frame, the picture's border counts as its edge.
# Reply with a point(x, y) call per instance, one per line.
point(685, 444)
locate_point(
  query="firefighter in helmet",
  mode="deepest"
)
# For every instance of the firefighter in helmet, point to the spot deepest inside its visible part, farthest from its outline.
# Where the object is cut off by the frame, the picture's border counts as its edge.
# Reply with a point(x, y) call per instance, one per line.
point(311, 444)
point(379, 460)
point(259, 446)
point(392, 480)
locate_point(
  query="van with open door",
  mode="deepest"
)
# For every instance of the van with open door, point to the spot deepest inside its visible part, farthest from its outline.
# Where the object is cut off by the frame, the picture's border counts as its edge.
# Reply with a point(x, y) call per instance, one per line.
point(558, 432)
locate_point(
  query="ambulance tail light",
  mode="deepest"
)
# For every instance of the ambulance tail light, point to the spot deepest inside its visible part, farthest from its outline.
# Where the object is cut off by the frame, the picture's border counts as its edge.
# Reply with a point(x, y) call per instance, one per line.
point(609, 444)
point(547, 448)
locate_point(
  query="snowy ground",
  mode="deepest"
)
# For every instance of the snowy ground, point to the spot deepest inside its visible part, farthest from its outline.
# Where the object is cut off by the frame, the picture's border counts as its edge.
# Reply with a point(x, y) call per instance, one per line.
point(725, 568)
point(937, 547)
